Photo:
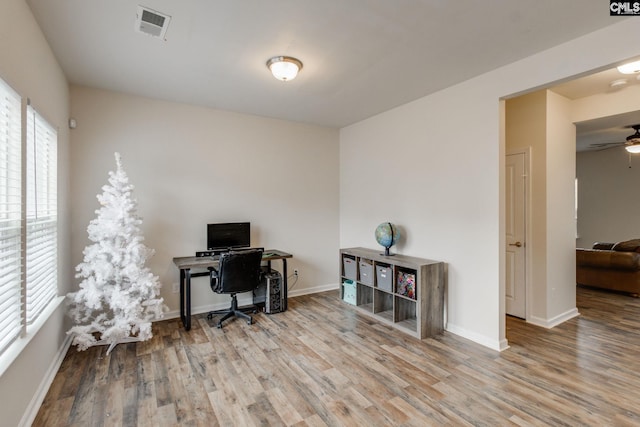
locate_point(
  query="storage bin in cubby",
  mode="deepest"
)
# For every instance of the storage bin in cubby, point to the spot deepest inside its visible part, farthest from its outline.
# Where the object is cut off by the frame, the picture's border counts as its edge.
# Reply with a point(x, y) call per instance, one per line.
point(349, 267)
point(366, 271)
point(349, 292)
point(406, 282)
point(384, 277)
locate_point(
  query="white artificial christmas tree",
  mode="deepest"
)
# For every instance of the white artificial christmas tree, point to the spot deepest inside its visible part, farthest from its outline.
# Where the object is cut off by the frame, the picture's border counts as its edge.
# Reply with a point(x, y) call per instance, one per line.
point(118, 296)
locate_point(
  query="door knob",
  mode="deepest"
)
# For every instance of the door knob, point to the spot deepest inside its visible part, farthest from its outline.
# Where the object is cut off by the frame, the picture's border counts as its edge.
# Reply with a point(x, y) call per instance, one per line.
point(516, 244)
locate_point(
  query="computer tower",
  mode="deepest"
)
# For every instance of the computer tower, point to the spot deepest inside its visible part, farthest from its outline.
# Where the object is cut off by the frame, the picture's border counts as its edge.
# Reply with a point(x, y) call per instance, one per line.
point(269, 293)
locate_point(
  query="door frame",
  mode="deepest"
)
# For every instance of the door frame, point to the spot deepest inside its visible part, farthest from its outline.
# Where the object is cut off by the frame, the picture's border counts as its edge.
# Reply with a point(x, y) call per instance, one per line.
point(527, 227)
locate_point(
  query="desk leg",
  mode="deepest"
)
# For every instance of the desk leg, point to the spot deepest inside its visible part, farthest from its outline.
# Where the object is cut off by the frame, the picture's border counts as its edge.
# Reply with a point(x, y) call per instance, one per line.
point(285, 284)
point(185, 298)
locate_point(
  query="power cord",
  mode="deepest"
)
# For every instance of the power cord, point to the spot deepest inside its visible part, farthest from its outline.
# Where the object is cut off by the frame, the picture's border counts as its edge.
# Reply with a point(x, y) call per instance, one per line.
point(295, 282)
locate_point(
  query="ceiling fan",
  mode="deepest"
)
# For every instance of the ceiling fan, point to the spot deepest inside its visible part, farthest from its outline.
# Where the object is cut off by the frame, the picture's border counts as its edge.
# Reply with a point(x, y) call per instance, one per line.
point(632, 144)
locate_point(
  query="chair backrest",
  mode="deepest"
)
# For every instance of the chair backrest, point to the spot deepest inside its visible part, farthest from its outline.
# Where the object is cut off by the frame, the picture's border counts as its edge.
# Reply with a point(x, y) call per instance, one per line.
point(239, 271)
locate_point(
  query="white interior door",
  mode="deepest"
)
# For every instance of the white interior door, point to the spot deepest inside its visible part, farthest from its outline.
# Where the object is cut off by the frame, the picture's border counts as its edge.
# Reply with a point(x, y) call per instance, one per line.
point(516, 176)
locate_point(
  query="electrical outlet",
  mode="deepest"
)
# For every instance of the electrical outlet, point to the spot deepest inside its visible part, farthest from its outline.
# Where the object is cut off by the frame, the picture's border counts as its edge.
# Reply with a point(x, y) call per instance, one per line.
point(295, 272)
point(176, 288)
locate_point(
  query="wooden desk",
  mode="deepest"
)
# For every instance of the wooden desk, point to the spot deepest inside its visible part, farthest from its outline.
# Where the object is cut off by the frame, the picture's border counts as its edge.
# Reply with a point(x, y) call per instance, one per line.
point(185, 264)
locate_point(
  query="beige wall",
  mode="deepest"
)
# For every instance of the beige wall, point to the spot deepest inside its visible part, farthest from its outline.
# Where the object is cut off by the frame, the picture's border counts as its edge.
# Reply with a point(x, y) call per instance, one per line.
point(561, 173)
point(28, 65)
point(444, 164)
point(608, 196)
point(606, 104)
point(608, 200)
point(191, 166)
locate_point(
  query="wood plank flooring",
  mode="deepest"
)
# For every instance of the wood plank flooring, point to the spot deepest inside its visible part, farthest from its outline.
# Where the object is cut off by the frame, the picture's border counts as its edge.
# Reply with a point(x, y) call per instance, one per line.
point(322, 364)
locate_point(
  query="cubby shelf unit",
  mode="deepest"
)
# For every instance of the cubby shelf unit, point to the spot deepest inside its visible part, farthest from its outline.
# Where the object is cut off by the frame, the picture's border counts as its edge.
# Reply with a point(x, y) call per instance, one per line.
point(402, 291)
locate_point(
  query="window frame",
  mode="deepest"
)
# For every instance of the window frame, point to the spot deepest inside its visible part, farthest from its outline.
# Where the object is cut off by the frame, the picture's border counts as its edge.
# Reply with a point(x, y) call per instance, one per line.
point(11, 279)
point(40, 215)
point(37, 264)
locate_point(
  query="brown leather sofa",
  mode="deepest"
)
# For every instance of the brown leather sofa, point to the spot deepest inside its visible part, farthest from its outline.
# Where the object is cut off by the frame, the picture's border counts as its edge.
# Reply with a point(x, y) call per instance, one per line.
point(612, 266)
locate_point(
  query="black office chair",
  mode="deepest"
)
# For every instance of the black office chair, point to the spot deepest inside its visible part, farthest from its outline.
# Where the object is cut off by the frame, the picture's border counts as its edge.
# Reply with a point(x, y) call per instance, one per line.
point(238, 271)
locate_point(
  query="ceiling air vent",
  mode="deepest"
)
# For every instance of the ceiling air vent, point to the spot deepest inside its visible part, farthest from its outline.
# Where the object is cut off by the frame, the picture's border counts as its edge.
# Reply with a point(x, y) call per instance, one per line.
point(152, 23)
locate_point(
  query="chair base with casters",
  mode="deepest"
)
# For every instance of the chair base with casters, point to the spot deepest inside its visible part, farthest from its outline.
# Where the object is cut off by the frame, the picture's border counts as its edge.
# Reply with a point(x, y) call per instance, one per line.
point(233, 311)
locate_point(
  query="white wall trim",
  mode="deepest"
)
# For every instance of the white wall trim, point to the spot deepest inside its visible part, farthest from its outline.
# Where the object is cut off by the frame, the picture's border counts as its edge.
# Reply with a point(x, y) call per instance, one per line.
point(498, 345)
point(554, 321)
point(314, 290)
point(246, 300)
point(173, 314)
point(34, 406)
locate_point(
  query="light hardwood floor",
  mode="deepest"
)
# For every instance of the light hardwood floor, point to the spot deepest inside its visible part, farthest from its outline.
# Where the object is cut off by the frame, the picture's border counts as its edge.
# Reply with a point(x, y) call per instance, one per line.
point(320, 363)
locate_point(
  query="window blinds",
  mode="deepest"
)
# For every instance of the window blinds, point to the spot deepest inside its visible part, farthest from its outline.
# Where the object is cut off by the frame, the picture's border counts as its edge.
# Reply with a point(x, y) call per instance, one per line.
point(41, 215)
point(10, 215)
point(28, 216)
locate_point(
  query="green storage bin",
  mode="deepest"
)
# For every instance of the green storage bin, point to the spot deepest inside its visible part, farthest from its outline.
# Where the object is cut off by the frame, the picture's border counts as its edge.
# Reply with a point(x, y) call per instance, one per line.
point(349, 291)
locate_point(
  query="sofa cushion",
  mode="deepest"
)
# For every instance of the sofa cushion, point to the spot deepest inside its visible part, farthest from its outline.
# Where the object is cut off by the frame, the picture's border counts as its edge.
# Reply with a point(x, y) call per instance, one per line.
point(627, 246)
point(594, 258)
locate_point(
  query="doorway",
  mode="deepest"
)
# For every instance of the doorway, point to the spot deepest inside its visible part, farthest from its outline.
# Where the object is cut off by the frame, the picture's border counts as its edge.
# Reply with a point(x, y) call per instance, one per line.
point(516, 178)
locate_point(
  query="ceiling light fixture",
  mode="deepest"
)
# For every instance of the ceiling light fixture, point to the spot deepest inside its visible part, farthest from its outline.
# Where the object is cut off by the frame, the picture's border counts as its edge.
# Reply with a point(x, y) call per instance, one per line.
point(617, 84)
point(284, 68)
point(630, 68)
point(633, 141)
point(633, 149)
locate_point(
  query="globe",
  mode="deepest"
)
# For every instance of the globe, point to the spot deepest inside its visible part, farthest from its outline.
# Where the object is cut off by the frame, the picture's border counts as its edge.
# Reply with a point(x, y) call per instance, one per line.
point(387, 235)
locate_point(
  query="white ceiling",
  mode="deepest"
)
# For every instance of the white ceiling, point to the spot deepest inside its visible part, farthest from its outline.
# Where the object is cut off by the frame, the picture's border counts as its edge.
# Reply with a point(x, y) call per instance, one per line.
point(361, 57)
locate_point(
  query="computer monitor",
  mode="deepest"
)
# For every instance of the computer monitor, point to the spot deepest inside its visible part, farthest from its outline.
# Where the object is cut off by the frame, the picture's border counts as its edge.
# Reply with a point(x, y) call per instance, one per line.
point(230, 235)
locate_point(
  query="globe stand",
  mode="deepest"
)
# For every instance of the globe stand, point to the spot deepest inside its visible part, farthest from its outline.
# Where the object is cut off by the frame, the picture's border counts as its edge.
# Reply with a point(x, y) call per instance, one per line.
point(386, 251)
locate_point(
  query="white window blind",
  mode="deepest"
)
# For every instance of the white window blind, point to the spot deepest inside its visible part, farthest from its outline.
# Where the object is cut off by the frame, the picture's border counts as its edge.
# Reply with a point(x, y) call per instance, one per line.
point(10, 216)
point(41, 215)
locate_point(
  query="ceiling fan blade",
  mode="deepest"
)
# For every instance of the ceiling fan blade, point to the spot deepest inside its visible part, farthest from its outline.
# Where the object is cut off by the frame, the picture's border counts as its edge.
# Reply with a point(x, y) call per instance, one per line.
point(607, 144)
point(601, 146)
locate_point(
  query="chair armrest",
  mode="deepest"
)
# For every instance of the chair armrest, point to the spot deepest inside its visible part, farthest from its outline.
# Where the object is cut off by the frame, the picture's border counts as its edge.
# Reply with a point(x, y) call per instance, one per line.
point(213, 278)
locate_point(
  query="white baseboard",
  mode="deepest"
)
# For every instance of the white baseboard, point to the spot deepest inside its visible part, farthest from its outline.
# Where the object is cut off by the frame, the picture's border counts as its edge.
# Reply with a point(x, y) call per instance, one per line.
point(498, 345)
point(34, 406)
point(173, 314)
point(554, 321)
point(501, 345)
point(314, 290)
point(248, 300)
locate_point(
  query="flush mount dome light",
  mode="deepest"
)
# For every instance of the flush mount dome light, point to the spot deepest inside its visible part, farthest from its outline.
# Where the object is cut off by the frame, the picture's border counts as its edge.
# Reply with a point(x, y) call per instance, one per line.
point(619, 83)
point(284, 68)
point(630, 68)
